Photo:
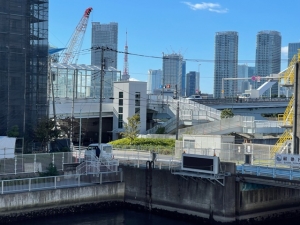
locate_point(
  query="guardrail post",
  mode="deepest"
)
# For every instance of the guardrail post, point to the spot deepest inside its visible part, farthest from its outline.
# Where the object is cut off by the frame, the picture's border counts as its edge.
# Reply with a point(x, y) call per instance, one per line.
point(29, 185)
point(243, 172)
point(274, 174)
point(54, 182)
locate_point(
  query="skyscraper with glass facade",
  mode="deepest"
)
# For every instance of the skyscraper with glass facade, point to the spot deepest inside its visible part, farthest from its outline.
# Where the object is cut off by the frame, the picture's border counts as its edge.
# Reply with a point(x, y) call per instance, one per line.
point(173, 68)
point(105, 35)
point(293, 50)
point(191, 83)
point(268, 56)
point(154, 80)
point(226, 63)
point(23, 64)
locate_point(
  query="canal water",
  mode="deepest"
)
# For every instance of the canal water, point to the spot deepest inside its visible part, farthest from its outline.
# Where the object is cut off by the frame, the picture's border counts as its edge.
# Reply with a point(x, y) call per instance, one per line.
point(130, 217)
point(115, 217)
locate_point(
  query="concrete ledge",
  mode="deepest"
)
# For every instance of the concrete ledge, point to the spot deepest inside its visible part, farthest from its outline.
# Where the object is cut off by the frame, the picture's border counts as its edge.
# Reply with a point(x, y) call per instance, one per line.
point(65, 196)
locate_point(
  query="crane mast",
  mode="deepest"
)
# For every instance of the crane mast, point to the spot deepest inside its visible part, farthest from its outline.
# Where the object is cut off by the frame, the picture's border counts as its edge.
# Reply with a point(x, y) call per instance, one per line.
point(75, 43)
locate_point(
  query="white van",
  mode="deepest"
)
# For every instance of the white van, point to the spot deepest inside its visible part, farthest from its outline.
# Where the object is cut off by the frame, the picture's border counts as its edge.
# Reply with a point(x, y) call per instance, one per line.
point(99, 150)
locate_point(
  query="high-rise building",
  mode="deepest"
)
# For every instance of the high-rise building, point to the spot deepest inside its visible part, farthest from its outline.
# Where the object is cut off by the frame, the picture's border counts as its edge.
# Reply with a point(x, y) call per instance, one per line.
point(251, 73)
point(183, 79)
point(154, 80)
point(23, 64)
point(105, 35)
point(173, 65)
point(268, 56)
point(191, 83)
point(293, 50)
point(243, 83)
point(226, 62)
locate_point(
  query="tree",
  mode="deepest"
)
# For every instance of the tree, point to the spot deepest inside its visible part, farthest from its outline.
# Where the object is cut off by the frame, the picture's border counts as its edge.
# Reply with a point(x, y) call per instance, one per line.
point(131, 129)
point(13, 132)
point(45, 131)
point(226, 113)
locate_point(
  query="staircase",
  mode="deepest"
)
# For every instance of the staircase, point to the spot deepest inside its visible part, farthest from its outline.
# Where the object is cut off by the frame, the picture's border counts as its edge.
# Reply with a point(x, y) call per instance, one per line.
point(188, 111)
point(288, 117)
point(265, 86)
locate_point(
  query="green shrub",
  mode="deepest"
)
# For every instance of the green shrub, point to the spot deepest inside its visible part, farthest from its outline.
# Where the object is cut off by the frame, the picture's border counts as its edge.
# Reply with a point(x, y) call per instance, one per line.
point(160, 145)
point(51, 170)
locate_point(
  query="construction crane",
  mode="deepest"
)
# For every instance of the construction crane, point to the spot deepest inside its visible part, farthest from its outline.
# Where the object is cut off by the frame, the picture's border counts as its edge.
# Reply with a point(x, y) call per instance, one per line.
point(287, 119)
point(75, 43)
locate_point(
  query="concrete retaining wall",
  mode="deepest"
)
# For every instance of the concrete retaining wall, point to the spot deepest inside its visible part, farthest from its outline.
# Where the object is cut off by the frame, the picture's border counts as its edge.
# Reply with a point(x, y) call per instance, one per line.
point(174, 193)
point(65, 196)
point(267, 199)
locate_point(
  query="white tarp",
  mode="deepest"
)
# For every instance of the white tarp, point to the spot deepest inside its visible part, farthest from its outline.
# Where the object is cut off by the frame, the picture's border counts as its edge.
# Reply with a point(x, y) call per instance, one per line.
point(7, 147)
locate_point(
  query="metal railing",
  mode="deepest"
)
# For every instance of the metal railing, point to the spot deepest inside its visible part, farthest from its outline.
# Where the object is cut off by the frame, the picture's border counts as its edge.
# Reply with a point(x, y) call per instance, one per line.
point(245, 124)
point(55, 182)
point(188, 110)
point(274, 172)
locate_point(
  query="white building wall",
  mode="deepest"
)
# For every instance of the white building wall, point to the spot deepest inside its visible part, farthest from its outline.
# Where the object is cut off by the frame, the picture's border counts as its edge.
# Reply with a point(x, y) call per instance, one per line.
point(130, 90)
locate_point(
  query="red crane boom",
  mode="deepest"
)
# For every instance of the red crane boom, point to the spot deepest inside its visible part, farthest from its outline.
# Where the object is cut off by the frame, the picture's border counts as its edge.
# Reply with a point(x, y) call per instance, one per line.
point(75, 43)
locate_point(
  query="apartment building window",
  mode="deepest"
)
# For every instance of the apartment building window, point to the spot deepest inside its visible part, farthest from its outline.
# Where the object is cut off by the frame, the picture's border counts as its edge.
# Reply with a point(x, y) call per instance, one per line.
point(137, 98)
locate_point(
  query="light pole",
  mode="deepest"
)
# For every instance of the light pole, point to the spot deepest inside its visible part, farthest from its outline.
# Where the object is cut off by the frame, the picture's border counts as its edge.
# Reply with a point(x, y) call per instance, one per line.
point(101, 94)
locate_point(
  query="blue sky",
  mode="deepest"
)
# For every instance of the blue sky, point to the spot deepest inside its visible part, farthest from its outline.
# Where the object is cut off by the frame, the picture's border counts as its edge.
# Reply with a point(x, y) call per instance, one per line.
point(172, 26)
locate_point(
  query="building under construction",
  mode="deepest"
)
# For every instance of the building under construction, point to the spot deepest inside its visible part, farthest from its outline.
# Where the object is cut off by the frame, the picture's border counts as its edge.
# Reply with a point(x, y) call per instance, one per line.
point(23, 64)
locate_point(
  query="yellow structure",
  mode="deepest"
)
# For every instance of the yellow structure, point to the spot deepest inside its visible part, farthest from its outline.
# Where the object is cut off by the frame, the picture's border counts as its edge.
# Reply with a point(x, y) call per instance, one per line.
point(287, 118)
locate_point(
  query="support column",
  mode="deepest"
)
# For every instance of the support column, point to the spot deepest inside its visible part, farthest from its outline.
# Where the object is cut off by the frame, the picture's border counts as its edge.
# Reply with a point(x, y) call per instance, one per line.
point(296, 125)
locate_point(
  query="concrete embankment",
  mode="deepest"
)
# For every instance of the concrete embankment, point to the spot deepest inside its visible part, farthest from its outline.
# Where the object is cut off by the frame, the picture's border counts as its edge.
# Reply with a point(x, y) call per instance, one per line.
point(166, 194)
point(231, 203)
point(61, 197)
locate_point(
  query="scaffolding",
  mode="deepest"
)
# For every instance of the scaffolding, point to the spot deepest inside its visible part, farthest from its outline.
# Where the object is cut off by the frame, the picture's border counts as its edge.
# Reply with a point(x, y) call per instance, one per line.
point(23, 64)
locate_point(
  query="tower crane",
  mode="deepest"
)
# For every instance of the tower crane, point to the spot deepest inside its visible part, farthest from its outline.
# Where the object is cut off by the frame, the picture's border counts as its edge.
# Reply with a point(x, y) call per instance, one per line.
point(75, 43)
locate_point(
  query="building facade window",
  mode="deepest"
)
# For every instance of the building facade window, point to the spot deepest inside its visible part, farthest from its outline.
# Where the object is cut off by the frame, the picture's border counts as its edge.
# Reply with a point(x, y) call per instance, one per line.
point(189, 143)
point(120, 121)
